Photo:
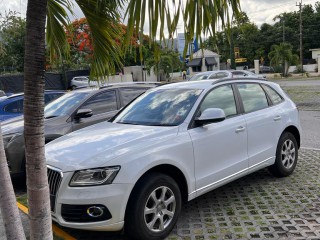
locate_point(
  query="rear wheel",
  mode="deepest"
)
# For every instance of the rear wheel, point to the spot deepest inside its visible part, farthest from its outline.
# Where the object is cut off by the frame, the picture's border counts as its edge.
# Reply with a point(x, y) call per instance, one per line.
point(153, 208)
point(286, 156)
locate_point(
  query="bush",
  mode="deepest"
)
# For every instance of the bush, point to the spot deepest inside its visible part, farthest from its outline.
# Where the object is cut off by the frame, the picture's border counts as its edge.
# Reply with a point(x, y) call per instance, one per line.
point(299, 69)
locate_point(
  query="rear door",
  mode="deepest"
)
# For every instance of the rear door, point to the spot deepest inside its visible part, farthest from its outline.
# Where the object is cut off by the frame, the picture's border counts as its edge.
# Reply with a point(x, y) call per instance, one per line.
point(264, 122)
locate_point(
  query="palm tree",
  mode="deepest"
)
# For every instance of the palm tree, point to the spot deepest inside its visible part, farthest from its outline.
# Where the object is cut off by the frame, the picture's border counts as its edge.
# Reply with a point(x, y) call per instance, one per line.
point(200, 17)
point(282, 54)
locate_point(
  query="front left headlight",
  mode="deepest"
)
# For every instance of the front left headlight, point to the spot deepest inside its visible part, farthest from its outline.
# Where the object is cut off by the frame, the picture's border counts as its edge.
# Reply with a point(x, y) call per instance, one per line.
point(94, 177)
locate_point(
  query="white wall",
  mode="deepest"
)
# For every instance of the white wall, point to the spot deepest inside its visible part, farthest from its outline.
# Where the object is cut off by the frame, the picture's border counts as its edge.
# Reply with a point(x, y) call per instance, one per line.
point(307, 68)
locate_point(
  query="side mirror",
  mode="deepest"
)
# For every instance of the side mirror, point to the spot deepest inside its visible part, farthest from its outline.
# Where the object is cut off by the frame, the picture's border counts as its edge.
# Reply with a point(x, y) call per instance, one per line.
point(211, 115)
point(83, 113)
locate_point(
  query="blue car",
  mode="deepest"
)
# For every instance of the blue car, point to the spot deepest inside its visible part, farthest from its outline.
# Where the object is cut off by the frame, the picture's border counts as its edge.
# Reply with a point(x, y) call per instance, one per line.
point(12, 106)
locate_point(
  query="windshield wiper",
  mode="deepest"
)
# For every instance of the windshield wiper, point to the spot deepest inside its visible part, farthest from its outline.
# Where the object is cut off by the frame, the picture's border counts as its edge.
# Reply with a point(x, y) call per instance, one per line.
point(47, 117)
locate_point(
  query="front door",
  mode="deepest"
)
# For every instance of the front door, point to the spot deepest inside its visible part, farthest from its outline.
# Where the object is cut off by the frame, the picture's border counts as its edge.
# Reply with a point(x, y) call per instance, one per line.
point(220, 149)
point(103, 105)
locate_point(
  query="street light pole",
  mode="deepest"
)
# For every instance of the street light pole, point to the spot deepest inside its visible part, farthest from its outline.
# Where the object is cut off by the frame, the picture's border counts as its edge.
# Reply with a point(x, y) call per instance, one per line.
point(301, 47)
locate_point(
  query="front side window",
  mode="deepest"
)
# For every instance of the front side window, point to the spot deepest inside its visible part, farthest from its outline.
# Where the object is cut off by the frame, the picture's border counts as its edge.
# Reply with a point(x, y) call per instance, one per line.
point(102, 103)
point(65, 104)
point(274, 96)
point(161, 107)
point(253, 97)
point(221, 97)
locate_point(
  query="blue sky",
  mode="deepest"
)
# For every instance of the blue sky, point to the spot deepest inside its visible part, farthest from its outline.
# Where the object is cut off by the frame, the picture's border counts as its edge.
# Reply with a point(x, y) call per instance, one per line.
point(259, 11)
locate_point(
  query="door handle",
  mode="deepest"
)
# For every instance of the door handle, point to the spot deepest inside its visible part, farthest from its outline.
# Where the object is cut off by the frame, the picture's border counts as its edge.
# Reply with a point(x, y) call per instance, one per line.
point(277, 118)
point(240, 129)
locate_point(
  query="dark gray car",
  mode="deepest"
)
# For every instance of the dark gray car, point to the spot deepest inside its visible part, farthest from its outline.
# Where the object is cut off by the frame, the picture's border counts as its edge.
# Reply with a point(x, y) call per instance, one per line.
point(72, 111)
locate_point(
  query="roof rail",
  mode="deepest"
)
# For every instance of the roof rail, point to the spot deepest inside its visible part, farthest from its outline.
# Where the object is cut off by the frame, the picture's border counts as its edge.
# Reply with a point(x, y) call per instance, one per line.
point(132, 83)
point(239, 79)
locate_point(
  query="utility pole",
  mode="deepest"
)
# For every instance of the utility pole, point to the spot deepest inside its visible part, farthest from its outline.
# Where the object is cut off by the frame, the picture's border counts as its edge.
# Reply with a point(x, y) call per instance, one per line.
point(283, 33)
point(301, 49)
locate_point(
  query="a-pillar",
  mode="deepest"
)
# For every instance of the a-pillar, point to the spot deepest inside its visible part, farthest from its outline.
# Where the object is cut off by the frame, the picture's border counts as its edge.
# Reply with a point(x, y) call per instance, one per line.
point(256, 66)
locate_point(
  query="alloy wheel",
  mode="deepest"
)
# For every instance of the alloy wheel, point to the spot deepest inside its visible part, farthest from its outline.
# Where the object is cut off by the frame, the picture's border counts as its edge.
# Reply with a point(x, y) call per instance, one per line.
point(159, 209)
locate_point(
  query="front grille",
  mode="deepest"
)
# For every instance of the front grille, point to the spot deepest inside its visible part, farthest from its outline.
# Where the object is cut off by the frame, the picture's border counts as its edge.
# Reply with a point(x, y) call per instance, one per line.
point(54, 180)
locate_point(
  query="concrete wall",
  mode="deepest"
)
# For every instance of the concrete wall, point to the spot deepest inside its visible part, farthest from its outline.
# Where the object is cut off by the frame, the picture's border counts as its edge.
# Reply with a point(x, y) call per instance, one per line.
point(307, 68)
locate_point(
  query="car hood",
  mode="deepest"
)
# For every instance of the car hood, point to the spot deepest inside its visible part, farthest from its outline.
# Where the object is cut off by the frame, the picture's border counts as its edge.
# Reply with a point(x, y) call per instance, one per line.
point(96, 145)
point(16, 125)
point(12, 125)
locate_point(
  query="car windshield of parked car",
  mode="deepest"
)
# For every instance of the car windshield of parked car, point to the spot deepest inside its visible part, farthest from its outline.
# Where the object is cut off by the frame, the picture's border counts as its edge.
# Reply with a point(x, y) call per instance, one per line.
point(199, 77)
point(64, 104)
point(161, 107)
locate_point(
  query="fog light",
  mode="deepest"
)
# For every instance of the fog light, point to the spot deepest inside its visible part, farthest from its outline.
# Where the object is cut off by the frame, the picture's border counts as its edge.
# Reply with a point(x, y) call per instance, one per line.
point(95, 211)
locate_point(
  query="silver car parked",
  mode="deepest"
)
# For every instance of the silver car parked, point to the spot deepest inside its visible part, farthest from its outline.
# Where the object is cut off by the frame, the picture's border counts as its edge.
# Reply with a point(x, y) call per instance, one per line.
point(73, 111)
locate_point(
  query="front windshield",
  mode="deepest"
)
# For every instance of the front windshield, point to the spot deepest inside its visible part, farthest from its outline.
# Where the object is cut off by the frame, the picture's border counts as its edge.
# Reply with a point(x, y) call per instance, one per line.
point(64, 104)
point(199, 77)
point(160, 107)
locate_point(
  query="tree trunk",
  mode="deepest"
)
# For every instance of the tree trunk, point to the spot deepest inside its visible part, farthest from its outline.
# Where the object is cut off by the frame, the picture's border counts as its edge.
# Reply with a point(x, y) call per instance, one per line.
point(286, 67)
point(34, 67)
point(8, 206)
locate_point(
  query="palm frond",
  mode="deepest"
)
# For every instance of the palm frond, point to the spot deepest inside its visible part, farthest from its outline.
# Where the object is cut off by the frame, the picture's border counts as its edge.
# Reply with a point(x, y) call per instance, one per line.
point(200, 17)
point(103, 19)
point(57, 21)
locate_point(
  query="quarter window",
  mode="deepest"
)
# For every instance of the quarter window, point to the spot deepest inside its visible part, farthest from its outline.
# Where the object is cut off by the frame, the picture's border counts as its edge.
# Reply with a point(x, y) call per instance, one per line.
point(253, 97)
point(102, 103)
point(221, 97)
point(274, 96)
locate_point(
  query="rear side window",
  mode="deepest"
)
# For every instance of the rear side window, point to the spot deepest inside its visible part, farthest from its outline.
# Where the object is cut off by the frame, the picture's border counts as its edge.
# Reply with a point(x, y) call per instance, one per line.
point(102, 103)
point(14, 107)
point(128, 94)
point(253, 97)
point(274, 96)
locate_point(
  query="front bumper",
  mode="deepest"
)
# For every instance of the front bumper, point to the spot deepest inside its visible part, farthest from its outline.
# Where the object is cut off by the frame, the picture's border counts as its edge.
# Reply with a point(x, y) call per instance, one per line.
point(113, 196)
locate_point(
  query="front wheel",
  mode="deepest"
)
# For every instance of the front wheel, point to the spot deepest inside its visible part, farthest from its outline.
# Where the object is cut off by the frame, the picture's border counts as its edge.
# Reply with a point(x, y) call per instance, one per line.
point(153, 208)
point(286, 156)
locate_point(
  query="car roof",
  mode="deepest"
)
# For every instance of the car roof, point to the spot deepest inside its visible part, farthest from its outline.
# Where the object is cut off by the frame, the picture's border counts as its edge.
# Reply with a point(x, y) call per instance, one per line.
point(211, 72)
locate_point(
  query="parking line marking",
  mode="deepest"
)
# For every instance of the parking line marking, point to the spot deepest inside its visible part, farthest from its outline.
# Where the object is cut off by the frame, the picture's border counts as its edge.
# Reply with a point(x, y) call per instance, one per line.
point(57, 231)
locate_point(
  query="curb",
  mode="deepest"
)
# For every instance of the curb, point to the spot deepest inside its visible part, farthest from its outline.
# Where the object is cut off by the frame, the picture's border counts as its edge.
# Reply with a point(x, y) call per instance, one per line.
point(57, 231)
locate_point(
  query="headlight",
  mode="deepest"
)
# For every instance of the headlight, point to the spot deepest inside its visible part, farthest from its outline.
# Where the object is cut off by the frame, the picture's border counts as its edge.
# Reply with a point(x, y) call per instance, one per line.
point(93, 177)
point(8, 138)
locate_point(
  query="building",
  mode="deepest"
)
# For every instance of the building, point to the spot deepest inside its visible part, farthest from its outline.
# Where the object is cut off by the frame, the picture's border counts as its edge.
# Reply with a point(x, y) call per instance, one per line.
point(315, 53)
point(204, 60)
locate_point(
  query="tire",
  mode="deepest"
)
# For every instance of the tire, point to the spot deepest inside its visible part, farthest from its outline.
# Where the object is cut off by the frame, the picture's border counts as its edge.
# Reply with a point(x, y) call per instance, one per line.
point(286, 156)
point(148, 194)
point(73, 87)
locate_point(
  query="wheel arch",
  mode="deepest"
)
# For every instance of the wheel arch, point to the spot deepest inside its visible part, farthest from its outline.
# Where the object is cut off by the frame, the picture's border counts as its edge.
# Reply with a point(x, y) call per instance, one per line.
point(294, 130)
point(169, 170)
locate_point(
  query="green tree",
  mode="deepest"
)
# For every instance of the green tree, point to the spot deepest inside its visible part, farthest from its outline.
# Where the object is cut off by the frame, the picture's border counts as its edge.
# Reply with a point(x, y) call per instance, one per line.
point(102, 17)
point(282, 54)
point(12, 34)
